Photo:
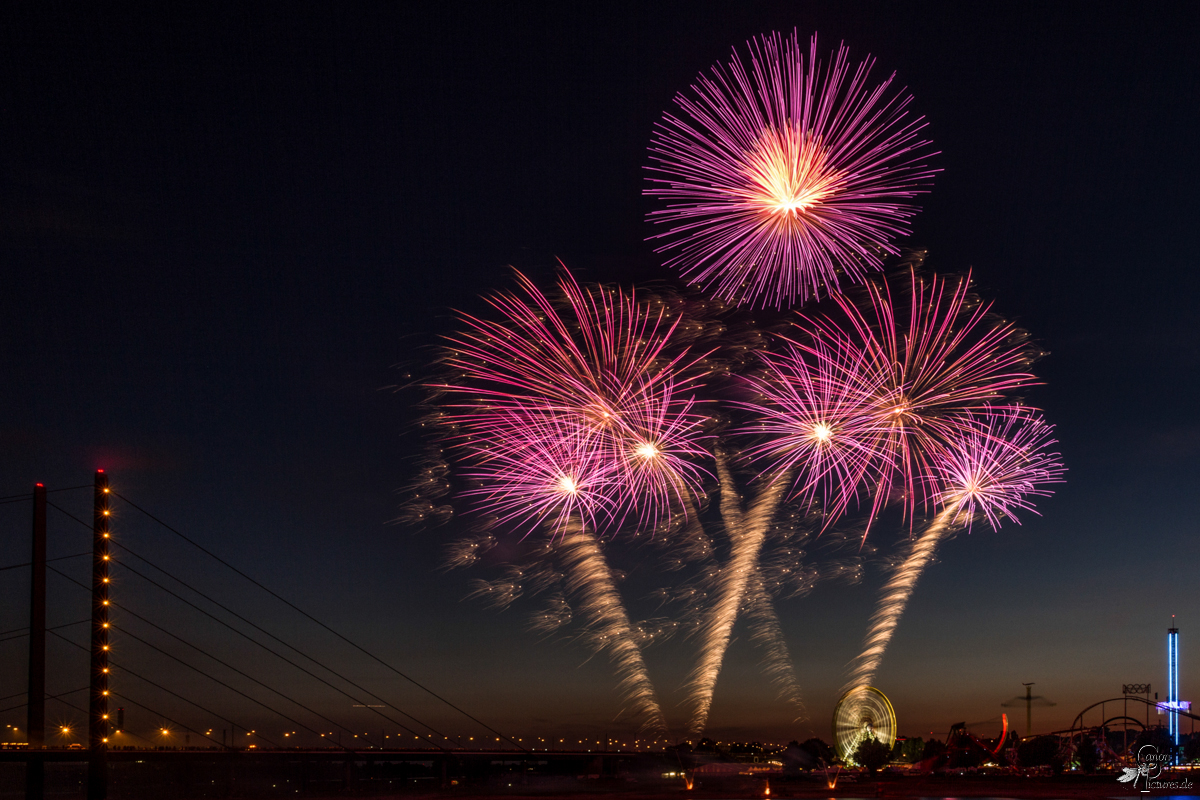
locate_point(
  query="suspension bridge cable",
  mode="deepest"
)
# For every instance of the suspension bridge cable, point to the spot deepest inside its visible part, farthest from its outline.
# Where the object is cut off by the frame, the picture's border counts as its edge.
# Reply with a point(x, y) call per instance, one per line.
point(276, 638)
point(284, 658)
point(48, 697)
point(304, 613)
point(332, 671)
point(57, 627)
point(48, 560)
point(227, 665)
point(132, 635)
point(161, 715)
point(168, 691)
point(29, 495)
point(273, 652)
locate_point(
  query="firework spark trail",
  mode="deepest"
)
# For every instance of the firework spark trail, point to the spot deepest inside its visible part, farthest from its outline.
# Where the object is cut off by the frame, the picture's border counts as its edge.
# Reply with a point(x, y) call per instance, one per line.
point(731, 499)
point(540, 470)
point(588, 578)
point(575, 413)
point(747, 531)
point(896, 593)
point(766, 630)
point(989, 471)
point(783, 178)
point(945, 368)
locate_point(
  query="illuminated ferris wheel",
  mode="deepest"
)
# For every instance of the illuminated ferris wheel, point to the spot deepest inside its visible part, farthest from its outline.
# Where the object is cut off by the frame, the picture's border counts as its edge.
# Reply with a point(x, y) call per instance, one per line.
point(863, 712)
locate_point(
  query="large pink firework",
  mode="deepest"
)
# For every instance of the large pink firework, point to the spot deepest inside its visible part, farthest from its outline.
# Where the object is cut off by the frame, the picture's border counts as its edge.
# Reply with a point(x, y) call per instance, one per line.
point(877, 391)
point(586, 381)
point(784, 178)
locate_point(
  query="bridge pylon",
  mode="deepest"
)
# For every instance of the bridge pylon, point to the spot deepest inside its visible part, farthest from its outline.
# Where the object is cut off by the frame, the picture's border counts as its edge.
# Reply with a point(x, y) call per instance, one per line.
point(98, 726)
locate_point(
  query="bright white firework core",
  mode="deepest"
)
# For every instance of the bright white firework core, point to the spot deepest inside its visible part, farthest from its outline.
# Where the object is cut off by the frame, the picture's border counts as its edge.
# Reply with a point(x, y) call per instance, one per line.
point(567, 485)
point(822, 432)
point(646, 450)
point(789, 173)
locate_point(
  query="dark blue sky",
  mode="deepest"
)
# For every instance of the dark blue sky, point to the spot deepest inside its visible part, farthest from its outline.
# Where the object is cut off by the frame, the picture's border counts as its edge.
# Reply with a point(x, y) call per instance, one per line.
point(222, 230)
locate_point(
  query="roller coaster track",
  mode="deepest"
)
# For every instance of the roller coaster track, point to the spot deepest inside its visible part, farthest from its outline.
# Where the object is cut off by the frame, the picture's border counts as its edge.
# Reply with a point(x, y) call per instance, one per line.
point(1128, 698)
point(1077, 727)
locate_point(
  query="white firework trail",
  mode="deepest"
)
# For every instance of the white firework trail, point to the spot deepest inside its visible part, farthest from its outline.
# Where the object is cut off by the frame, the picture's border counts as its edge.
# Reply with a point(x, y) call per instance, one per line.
point(768, 633)
point(747, 530)
point(896, 593)
point(589, 579)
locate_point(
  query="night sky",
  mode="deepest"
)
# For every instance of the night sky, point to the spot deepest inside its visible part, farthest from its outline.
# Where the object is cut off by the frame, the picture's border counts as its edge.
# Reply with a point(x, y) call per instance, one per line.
point(227, 233)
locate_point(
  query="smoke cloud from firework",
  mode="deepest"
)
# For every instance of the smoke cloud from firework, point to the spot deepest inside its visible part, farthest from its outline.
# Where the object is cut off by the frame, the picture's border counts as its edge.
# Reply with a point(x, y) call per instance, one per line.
point(787, 176)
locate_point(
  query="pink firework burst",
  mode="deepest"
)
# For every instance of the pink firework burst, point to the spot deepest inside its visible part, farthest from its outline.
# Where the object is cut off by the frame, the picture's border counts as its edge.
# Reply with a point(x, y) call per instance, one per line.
point(532, 469)
point(583, 387)
point(816, 416)
point(884, 385)
point(584, 357)
point(994, 467)
point(786, 177)
point(939, 358)
point(654, 447)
